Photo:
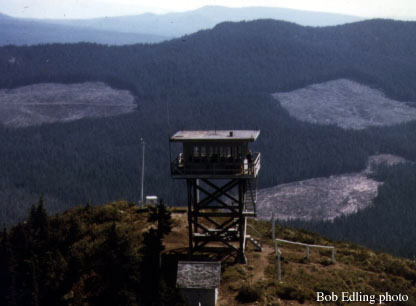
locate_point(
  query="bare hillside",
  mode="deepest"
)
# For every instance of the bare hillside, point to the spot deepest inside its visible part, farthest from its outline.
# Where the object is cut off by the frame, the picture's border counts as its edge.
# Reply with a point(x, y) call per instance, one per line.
point(346, 104)
point(322, 198)
point(47, 103)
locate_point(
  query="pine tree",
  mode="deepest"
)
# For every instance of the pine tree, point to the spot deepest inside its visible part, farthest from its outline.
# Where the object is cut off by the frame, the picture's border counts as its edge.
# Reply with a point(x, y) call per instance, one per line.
point(38, 221)
point(117, 270)
point(162, 216)
point(150, 267)
point(151, 280)
point(35, 296)
point(4, 267)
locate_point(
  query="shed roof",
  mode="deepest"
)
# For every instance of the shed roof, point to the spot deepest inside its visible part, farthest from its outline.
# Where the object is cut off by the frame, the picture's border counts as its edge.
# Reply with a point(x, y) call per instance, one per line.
point(198, 274)
point(216, 135)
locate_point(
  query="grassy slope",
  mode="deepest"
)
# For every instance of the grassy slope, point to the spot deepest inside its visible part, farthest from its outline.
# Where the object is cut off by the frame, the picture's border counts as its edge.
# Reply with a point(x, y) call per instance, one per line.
point(356, 268)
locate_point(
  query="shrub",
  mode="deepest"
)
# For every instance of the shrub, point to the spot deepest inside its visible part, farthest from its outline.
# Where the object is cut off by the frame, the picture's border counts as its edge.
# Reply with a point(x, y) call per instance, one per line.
point(232, 274)
point(248, 294)
point(326, 262)
point(289, 292)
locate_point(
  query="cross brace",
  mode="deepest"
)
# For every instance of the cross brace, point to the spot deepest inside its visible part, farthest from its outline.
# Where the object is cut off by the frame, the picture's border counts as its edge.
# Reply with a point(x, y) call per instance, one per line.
point(226, 204)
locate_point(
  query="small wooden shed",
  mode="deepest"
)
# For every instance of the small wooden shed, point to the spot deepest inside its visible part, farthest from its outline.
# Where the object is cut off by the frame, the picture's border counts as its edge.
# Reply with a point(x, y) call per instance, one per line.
point(199, 282)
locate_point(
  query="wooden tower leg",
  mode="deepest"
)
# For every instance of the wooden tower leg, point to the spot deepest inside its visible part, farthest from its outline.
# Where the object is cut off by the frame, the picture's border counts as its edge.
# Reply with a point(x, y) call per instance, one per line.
point(189, 185)
point(241, 258)
point(217, 201)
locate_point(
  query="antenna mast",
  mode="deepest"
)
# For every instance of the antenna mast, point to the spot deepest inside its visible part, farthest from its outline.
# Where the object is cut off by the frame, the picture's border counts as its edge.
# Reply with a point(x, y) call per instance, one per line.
point(142, 187)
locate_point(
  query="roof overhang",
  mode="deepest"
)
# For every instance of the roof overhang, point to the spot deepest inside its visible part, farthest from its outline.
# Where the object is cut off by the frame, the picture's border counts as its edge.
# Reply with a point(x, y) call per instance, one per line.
point(215, 135)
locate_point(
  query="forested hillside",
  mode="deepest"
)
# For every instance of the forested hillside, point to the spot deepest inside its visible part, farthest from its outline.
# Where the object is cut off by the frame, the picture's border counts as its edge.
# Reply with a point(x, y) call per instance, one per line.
point(90, 256)
point(259, 56)
point(221, 78)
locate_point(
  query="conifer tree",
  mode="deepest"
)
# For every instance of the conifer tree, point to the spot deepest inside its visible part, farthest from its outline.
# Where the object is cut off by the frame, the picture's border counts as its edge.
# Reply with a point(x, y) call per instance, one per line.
point(160, 215)
point(152, 283)
point(4, 267)
point(35, 294)
point(116, 268)
point(38, 220)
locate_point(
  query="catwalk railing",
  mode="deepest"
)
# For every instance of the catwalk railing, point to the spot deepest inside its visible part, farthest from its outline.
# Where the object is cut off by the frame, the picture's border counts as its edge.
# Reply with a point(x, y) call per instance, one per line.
point(213, 166)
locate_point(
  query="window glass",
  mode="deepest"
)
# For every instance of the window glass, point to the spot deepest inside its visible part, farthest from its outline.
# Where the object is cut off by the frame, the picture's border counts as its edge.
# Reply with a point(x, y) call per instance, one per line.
point(234, 152)
point(239, 151)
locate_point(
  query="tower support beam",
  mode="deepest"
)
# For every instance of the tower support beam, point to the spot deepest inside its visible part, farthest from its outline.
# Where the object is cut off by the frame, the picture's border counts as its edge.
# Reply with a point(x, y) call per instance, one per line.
point(219, 218)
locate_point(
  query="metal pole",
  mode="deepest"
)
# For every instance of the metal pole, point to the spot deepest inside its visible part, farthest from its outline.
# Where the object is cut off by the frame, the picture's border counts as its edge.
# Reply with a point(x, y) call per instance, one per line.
point(333, 255)
point(142, 188)
point(276, 249)
point(279, 271)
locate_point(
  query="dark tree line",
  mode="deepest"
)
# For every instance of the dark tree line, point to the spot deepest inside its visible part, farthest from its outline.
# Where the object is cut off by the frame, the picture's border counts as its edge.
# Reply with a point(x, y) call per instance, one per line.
point(44, 260)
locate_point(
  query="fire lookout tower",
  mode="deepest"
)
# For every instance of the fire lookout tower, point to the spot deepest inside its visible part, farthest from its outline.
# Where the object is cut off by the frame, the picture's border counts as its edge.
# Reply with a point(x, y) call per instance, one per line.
point(221, 178)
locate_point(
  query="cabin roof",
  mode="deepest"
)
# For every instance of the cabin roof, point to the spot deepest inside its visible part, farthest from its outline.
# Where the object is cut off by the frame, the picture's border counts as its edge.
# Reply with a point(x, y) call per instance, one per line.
point(215, 135)
point(151, 197)
point(198, 274)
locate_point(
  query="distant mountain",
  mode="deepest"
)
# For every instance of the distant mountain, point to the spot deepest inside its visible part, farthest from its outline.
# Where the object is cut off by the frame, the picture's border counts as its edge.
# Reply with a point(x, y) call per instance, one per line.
point(178, 24)
point(2, 16)
point(15, 31)
point(148, 28)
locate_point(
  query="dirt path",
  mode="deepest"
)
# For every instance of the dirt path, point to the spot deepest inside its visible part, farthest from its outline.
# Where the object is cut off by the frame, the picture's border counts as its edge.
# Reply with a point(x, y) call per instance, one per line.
point(258, 262)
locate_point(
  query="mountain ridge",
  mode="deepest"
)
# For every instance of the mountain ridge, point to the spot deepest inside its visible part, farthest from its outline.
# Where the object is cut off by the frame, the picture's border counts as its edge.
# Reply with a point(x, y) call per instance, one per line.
point(14, 31)
point(152, 28)
point(182, 23)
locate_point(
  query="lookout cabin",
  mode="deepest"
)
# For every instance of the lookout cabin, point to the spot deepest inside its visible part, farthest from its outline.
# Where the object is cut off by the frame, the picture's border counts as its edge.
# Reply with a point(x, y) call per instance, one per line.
point(216, 154)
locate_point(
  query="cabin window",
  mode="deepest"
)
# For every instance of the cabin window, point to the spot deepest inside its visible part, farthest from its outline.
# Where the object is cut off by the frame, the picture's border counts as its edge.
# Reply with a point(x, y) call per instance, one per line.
point(196, 151)
point(203, 151)
point(221, 152)
point(234, 152)
point(211, 151)
point(228, 152)
point(215, 154)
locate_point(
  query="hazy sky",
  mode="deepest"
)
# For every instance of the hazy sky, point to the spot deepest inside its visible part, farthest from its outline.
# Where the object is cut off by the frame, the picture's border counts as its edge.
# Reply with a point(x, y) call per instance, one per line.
point(400, 9)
